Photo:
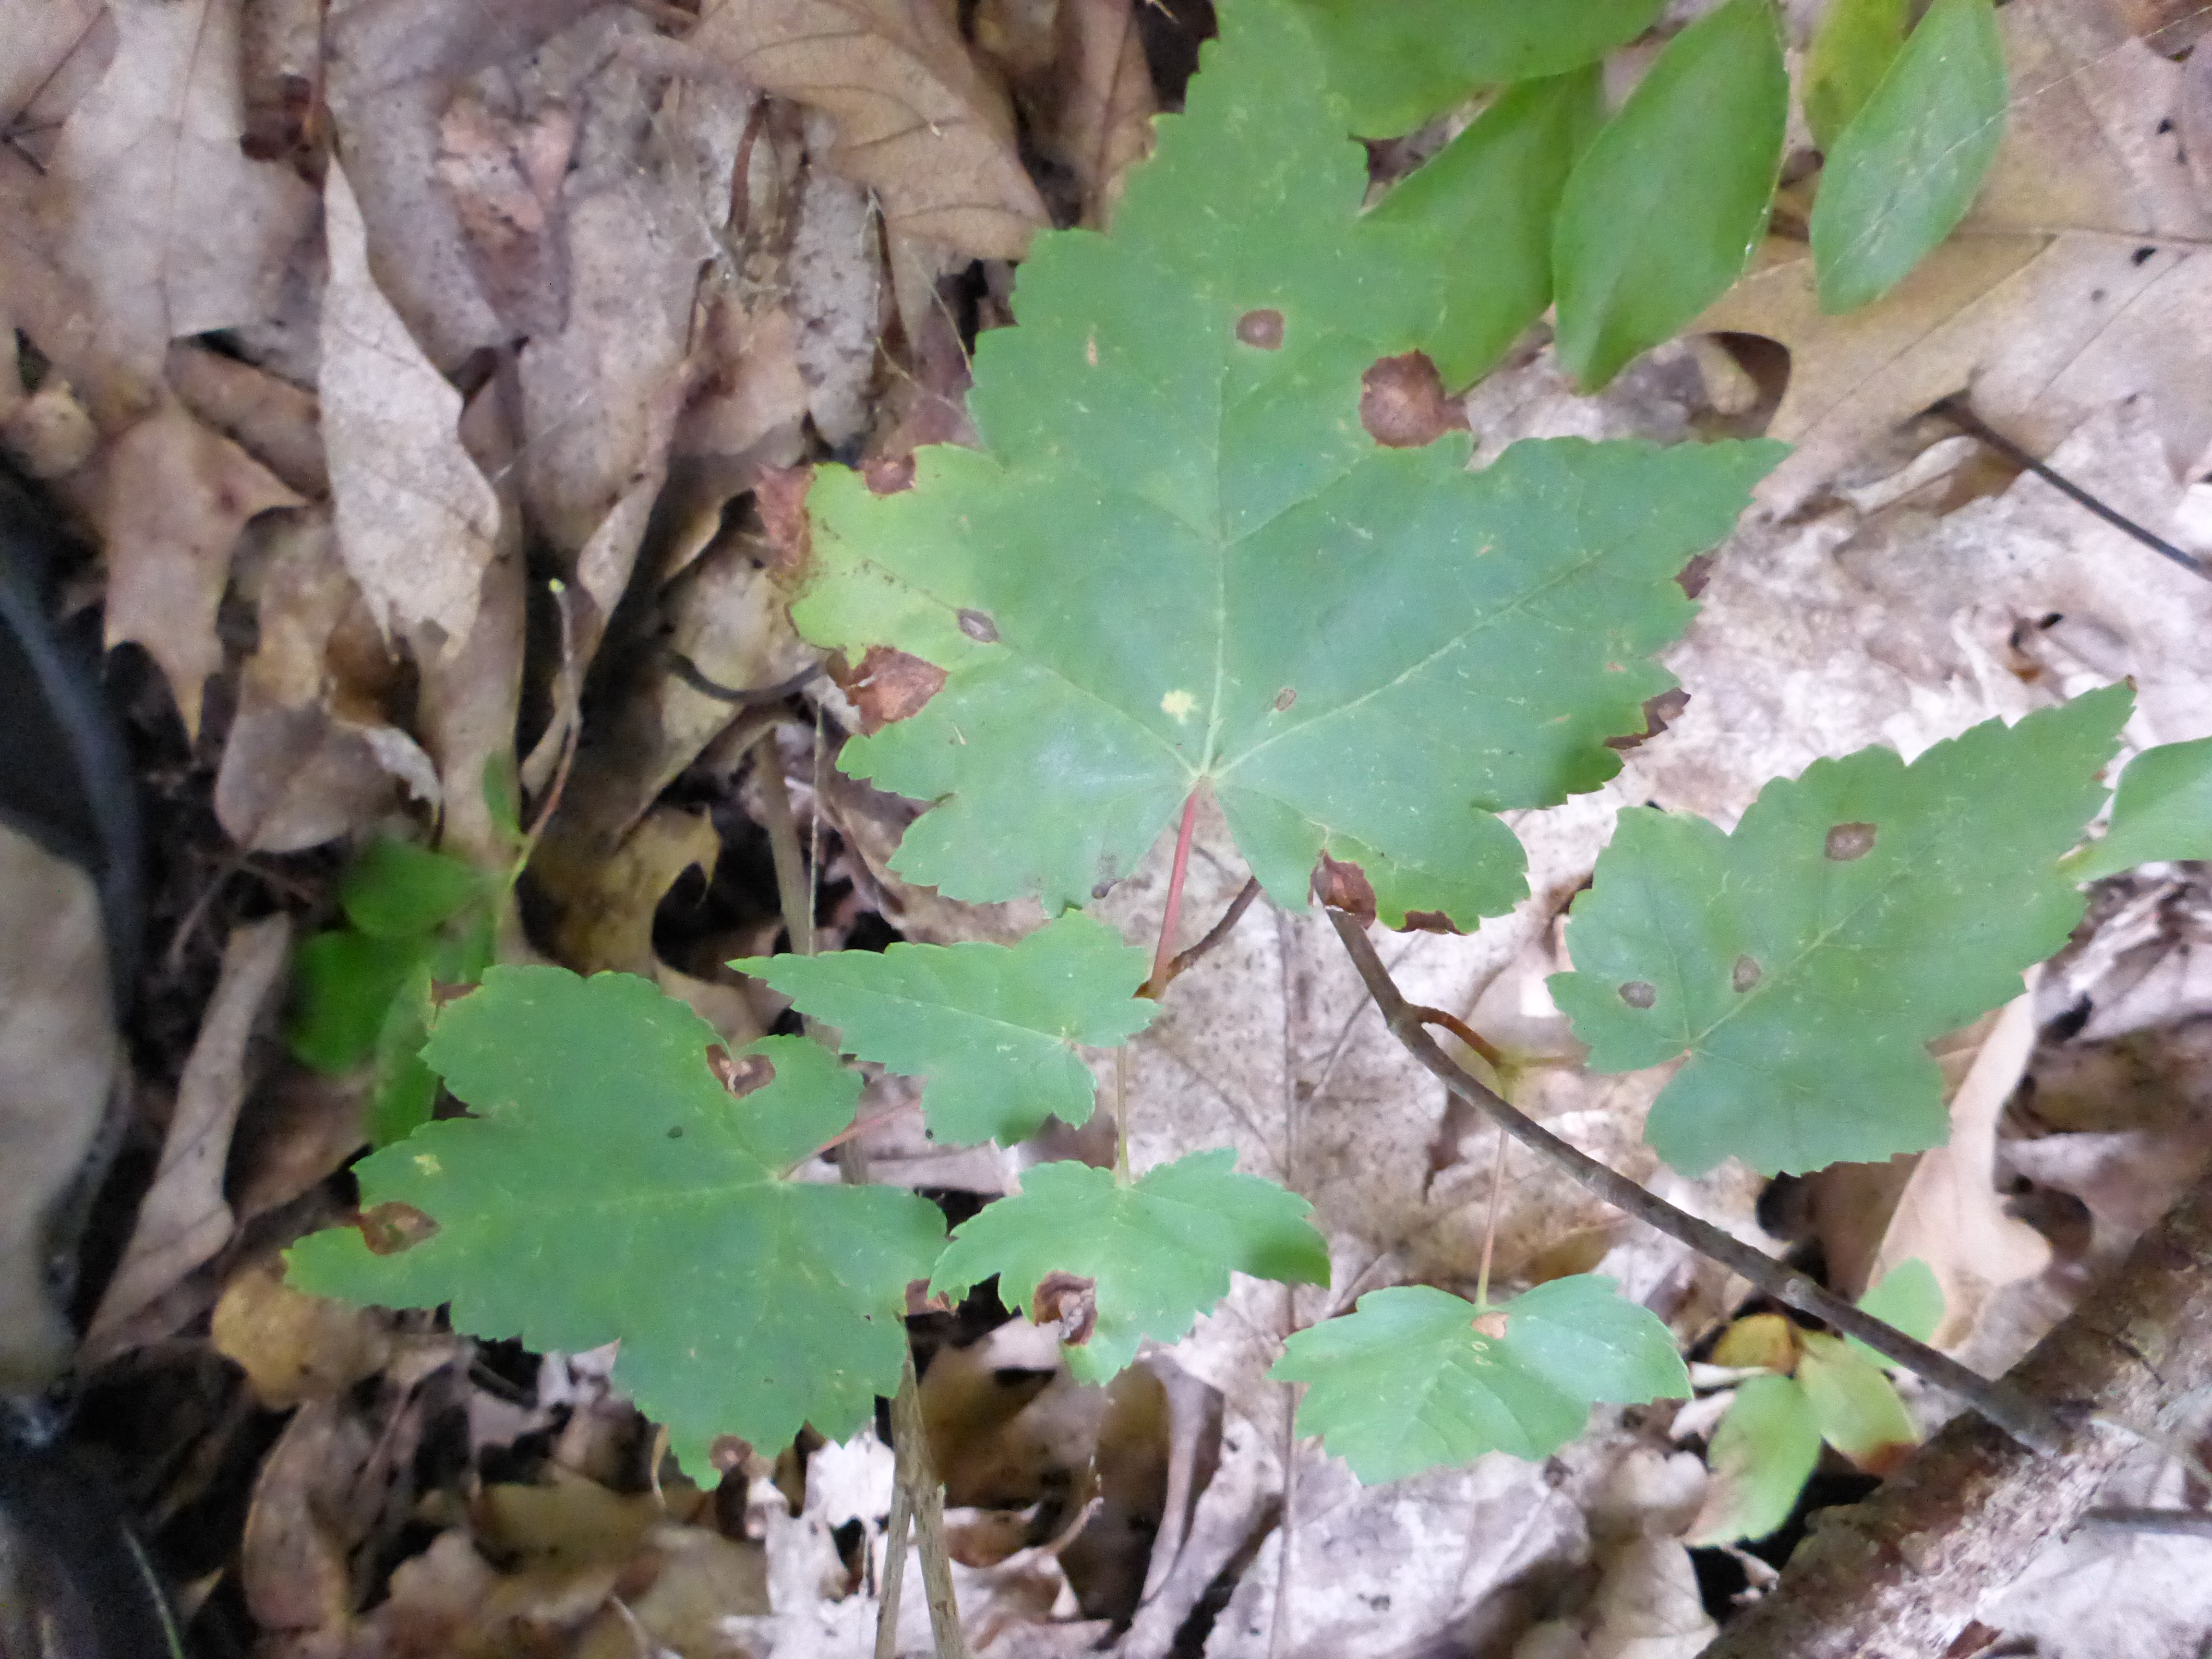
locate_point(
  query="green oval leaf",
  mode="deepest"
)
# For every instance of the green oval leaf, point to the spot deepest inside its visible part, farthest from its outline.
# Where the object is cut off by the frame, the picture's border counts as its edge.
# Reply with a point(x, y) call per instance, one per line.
point(1804, 963)
point(1855, 1404)
point(1907, 1297)
point(1857, 42)
point(1904, 172)
point(2162, 810)
point(994, 1028)
point(396, 889)
point(1761, 1456)
point(1158, 1251)
point(1416, 1377)
point(1397, 64)
point(343, 985)
point(1664, 209)
point(610, 1188)
point(1487, 202)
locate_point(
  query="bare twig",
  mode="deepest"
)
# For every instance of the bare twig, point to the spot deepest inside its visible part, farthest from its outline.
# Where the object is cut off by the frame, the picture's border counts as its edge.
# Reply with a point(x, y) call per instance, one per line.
point(895, 1541)
point(2176, 1523)
point(2017, 1415)
point(795, 884)
point(910, 1437)
point(1185, 960)
point(1955, 409)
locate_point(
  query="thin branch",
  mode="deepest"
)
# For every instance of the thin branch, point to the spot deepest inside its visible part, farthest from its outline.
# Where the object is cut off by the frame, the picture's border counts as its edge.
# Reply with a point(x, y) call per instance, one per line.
point(1189, 959)
point(794, 884)
point(1460, 1029)
point(1954, 409)
point(895, 1541)
point(2018, 1416)
point(2175, 1523)
point(910, 1440)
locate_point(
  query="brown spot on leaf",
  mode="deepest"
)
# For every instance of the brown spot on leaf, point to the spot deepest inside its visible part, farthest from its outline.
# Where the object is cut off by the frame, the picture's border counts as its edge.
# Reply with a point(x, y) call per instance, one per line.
point(887, 475)
point(1068, 1301)
point(781, 496)
point(1747, 973)
point(1342, 886)
point(1491, 1324)
point(978, 626)
point(1639, 994)
point(729, 1454)
point(1430, 922)
point(739, 1073)
point(1847, 841)
point(1402, 403)
point(1262, 329)
point(390, 1228)
point(1285, 698)
point(1657, 712)
point(889, 685)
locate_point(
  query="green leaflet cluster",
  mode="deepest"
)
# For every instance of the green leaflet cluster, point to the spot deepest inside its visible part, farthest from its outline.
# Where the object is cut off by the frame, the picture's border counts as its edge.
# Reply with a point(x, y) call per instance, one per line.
point(1181, 560)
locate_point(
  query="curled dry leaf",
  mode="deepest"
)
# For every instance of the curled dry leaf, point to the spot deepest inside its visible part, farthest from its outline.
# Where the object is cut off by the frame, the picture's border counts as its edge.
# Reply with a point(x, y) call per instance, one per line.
point(184, 1218)
point(272, 419)
point(918, 122)
point(167, 225)
point(2073, 282)
point(174, 496)
point(310, 755)
point(295, 1347)
point(417, 522)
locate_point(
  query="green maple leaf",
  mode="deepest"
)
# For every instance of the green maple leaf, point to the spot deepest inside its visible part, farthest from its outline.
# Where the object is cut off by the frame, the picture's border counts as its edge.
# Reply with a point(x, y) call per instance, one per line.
point(2162, 810)
point(609, 1187)
point(993, 1029)
point(1180, 561)
point(1158, 1250)
point(1804, 963)
point(1416, 1377)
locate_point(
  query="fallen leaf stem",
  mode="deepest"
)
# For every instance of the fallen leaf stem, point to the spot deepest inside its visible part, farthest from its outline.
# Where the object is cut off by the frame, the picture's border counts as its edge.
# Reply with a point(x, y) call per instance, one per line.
point(1955, 409)
point(1460, 1029)
point(1164, 955)
point(2018, 1416)
point(856, 1128)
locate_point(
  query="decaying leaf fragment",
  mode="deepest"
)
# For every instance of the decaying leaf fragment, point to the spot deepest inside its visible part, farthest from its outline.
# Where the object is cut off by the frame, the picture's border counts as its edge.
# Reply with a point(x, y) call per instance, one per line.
point(918, 122)
point(417, 521)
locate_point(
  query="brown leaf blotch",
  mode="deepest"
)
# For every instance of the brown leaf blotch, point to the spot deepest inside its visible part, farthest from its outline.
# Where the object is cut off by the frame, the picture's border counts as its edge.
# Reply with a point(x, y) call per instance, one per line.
point(889, 685)
point(1430, 922)
point(1639, 994)
point(1285, 698)
point(887, 475)
point(1748, 973)
point(390, 1228)
point(1491, 1324)
point(1658, 711)
point(978, 626)
point(1262, 329)
point(1403, 405)
point(1342, 886)
point(1068, 1301)
point(1847, 841)
point(739, 1073)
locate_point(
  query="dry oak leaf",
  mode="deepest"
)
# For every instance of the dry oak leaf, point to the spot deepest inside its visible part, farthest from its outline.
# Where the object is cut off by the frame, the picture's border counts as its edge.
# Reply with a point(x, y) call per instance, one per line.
point(917, 121)
point(2081, 277)
point(417, 521)
point(174, 496)
point(167, 225)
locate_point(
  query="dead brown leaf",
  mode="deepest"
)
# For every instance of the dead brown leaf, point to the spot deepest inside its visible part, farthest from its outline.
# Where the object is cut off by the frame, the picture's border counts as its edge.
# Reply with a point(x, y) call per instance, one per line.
point(295, 1347)
point(184, 1219)
point(272, 419)
point(2076, 281)
point(918, 122)
point(57, 49)
point(168, 226)
point(417, 522)
point(173, 497)
point(504, 176)
point(292, 1561)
